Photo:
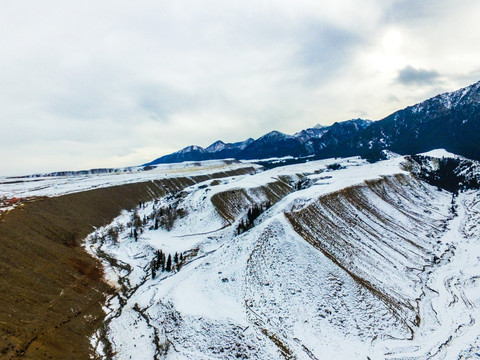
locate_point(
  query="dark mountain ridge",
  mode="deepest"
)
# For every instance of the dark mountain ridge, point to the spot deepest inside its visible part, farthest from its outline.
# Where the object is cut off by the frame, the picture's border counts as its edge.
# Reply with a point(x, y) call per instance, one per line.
point(450, 121)
point(272, 144)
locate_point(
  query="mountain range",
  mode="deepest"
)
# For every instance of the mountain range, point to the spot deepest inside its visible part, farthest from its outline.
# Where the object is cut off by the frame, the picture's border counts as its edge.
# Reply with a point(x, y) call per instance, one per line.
point(450, 121)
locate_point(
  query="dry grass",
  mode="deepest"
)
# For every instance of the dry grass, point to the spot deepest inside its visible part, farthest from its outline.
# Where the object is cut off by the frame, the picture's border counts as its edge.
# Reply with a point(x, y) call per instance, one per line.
point(282, 347)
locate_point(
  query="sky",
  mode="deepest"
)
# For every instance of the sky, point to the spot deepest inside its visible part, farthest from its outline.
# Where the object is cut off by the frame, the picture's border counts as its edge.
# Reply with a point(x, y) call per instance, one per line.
point(91, 84)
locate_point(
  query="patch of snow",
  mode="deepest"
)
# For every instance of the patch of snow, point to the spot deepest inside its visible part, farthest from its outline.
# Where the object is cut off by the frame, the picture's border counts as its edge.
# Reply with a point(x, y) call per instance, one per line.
point(441, 153)
point(192, 148)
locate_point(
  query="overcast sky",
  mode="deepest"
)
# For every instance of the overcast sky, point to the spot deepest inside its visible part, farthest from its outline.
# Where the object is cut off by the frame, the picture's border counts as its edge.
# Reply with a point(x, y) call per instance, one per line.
point(89, 84)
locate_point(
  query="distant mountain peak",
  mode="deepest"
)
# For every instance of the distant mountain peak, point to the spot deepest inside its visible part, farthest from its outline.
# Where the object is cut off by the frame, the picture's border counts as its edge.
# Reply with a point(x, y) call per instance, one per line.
point(191, 148)
point(220, 146)
point(272, 135)
point(216, 146)
point(459, 97)
point(311, 133)
point(451, 100)
point(449, 120)
point(358, 121)
point(244, 144)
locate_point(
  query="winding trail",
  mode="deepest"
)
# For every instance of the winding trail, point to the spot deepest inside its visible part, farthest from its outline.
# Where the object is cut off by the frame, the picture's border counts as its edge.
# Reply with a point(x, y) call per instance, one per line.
point(450, 307)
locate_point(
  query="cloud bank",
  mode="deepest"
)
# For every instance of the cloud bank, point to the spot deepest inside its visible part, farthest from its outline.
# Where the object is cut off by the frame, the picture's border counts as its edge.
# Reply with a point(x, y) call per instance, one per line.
point(120, 83)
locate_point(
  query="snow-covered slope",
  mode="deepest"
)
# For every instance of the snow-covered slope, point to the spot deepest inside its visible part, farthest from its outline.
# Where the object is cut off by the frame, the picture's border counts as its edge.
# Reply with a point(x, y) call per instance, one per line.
point(59, 185)
point(345, 257)
point(450, 325)
point(453, 99)
point(440, 153)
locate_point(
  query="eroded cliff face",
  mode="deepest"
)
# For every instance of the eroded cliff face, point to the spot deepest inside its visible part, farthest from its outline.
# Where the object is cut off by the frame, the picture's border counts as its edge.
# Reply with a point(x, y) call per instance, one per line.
point(383, 233)
point(232, 203)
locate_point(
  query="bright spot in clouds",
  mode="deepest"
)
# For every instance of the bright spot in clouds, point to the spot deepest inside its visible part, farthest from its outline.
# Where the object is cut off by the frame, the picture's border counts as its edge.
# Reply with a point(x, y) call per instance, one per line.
point(392, 40)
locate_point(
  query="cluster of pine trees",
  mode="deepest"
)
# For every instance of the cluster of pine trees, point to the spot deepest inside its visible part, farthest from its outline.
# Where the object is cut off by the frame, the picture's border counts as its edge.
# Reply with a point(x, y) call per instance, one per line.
point(253, 213)
point(112, 234)
point(137, 223)
point(451, 174)
point(334, 166)
point(163, 217)
point(303, 184)
point(162, 262)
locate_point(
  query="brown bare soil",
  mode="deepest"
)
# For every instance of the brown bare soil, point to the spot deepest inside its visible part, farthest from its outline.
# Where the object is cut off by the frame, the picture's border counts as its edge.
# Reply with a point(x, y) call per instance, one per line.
point(230, 204)
point(51, 290)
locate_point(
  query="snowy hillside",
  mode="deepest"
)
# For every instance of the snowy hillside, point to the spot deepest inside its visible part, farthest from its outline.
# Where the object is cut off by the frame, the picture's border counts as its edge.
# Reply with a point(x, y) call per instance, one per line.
point(65, 184)
point(331, 259)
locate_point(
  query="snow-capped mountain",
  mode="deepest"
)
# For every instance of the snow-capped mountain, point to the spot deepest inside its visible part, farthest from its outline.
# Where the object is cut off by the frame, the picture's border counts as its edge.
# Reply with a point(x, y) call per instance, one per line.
point(304, 143)
point(189, 153)
point(221, 150)
point(219, 146)
point(217, 150)
point(450, 121)
point(216, 146)
point(312, 133)
point(337, 133)
point(272, 144)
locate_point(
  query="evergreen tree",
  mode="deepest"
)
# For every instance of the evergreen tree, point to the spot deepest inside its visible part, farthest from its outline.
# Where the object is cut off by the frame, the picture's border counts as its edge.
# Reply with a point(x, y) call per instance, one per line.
point(169, 263)
point(241, 227)
point(136, 221)
point(154, 267)
point(250, 216)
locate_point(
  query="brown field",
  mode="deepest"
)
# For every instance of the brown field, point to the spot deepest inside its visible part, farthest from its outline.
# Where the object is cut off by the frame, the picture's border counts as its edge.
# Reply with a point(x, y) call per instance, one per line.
point(51, 290)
